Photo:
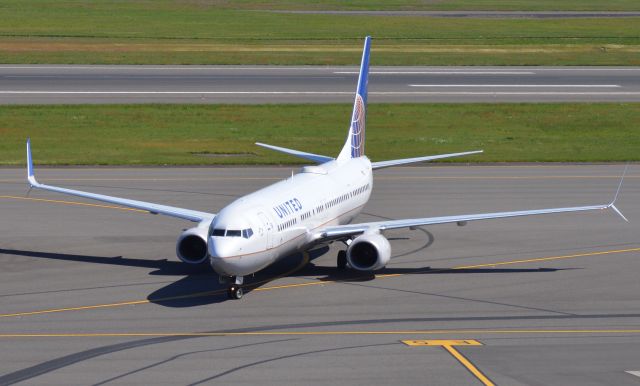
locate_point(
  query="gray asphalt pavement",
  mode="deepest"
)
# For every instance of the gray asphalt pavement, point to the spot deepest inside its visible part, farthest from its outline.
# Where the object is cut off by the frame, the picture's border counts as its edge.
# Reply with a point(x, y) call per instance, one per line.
point(55, 84)
point(94, 295)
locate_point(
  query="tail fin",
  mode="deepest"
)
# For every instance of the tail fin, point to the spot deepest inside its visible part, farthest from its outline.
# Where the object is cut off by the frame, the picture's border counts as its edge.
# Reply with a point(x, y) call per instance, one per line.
point(354, 146)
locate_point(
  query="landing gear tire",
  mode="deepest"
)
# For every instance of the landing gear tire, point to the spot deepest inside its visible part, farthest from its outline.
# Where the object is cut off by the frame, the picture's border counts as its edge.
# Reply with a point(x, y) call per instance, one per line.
point(235, 292)
point(342, 259)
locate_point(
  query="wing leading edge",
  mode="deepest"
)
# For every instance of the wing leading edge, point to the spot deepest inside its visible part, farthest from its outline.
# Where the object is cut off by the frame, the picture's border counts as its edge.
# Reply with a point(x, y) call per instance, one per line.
point(186, 214)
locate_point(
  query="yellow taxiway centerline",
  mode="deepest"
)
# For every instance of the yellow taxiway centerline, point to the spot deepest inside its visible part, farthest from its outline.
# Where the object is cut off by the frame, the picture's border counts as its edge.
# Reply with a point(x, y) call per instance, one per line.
point(611, 252)
point(303, 262)
point(314, 283)
point(322, 333)
point(470, 366)
point(75, 203)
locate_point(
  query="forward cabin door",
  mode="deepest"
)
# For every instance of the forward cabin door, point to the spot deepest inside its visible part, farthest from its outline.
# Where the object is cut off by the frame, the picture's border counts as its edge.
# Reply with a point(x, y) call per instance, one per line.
point(268, 226)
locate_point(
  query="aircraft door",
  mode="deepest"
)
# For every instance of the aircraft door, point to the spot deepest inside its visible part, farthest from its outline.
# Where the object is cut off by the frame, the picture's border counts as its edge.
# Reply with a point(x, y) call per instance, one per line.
point(323, 210)
point(268, 227)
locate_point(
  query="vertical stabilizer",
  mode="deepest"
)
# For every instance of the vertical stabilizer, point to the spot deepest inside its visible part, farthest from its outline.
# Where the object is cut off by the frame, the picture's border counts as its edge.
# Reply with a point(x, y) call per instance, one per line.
point(354, 146)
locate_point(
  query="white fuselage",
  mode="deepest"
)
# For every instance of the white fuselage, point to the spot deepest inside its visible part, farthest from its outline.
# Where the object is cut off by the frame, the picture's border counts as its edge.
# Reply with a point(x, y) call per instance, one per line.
point(258, 229)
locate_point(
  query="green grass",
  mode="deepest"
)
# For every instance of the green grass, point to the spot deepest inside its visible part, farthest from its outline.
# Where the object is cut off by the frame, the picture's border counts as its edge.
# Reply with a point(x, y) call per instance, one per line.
point(172, 134)
point(195, 32)
point(446, 5)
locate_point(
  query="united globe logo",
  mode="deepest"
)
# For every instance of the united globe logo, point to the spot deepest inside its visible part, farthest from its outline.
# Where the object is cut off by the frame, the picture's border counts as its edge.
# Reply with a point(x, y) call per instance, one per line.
point(357, 128)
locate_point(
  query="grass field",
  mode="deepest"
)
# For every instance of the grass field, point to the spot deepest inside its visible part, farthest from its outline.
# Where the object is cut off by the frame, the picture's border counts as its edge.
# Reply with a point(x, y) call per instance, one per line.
point(224, 134)
point(244, 32)
point(442, 5)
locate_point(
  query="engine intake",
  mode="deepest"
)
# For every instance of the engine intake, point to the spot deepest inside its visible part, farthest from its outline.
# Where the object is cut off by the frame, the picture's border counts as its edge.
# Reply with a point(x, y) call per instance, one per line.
point(369, 252)
point(191, 247)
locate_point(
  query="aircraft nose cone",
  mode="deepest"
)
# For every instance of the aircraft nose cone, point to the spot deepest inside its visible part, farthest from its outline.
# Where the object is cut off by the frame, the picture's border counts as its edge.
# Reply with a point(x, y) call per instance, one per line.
point(220, 249)
point(224, 258)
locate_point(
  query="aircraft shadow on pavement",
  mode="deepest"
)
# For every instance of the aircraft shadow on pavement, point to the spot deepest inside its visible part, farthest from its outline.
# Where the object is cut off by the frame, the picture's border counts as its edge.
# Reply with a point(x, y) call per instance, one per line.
point(199, 284)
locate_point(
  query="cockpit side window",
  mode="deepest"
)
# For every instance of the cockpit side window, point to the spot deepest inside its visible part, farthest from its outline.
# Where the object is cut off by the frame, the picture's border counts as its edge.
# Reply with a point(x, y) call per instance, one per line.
point(217, 232)
point(245, 233)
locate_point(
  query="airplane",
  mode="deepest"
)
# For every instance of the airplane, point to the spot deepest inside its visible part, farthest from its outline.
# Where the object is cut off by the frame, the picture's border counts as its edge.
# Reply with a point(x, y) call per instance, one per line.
point(309, 210)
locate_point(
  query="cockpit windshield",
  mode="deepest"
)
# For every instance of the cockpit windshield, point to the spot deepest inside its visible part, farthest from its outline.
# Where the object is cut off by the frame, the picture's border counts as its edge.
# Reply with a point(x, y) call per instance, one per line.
point(245, 233)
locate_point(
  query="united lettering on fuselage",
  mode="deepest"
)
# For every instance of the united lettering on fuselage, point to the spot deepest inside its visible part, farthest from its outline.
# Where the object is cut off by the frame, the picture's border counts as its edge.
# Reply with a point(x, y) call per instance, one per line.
point(288, 208)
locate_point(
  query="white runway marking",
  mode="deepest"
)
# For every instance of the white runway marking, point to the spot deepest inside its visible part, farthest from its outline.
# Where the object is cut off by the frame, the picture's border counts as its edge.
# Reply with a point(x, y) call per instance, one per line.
point(171, 68)
point(258, 93)
point(440, 72)
point(520, 85)
point(335, 69)
point(636, 373)
point(28, 92)
point(593, 93)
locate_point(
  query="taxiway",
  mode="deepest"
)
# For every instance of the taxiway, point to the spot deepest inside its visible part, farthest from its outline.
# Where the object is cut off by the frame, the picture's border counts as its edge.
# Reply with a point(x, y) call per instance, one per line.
point(92, 294)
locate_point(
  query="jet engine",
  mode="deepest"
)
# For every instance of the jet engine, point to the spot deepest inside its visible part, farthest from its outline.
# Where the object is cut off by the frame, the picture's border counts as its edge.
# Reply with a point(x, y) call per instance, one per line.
point(191, 247)
point(369, 252)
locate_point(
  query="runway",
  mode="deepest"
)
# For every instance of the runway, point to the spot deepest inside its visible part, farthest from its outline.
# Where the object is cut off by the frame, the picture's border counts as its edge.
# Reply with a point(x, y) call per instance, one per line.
point(55, 84)
point(94, 294)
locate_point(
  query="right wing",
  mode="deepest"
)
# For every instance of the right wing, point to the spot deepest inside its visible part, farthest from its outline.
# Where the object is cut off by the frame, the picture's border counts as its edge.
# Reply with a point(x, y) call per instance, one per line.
point(345, 231)
point(186, 214)
point(342, 232)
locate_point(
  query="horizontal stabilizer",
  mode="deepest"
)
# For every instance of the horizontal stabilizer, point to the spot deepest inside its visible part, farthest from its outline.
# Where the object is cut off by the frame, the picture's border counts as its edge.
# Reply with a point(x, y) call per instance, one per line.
point(297, 153)
point(398, 162)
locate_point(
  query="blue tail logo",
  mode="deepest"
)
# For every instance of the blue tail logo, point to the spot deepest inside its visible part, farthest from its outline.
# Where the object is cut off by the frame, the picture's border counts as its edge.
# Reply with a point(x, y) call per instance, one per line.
point(354, 146)
point(357, 128)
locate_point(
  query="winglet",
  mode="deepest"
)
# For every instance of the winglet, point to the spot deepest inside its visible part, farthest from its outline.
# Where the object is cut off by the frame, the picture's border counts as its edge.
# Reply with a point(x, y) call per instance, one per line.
point(612, 206)
point(30, 177)
point(612, 203)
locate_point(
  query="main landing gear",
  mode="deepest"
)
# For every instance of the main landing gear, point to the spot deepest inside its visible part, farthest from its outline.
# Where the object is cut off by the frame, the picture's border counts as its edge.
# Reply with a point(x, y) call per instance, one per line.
point(234, 290)
point(342, 259)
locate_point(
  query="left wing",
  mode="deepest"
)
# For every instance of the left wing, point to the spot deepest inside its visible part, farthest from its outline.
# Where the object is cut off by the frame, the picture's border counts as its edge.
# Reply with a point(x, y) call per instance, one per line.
point(186, 214)
point(341, 232)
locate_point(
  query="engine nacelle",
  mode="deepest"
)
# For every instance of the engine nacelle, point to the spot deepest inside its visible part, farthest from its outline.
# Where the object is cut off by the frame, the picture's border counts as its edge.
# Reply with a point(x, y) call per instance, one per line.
point(191, 247)
point(369, 252)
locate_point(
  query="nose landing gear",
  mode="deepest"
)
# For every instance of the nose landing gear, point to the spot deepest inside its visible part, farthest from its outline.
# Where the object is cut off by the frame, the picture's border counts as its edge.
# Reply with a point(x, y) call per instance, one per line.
point(234, 290)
